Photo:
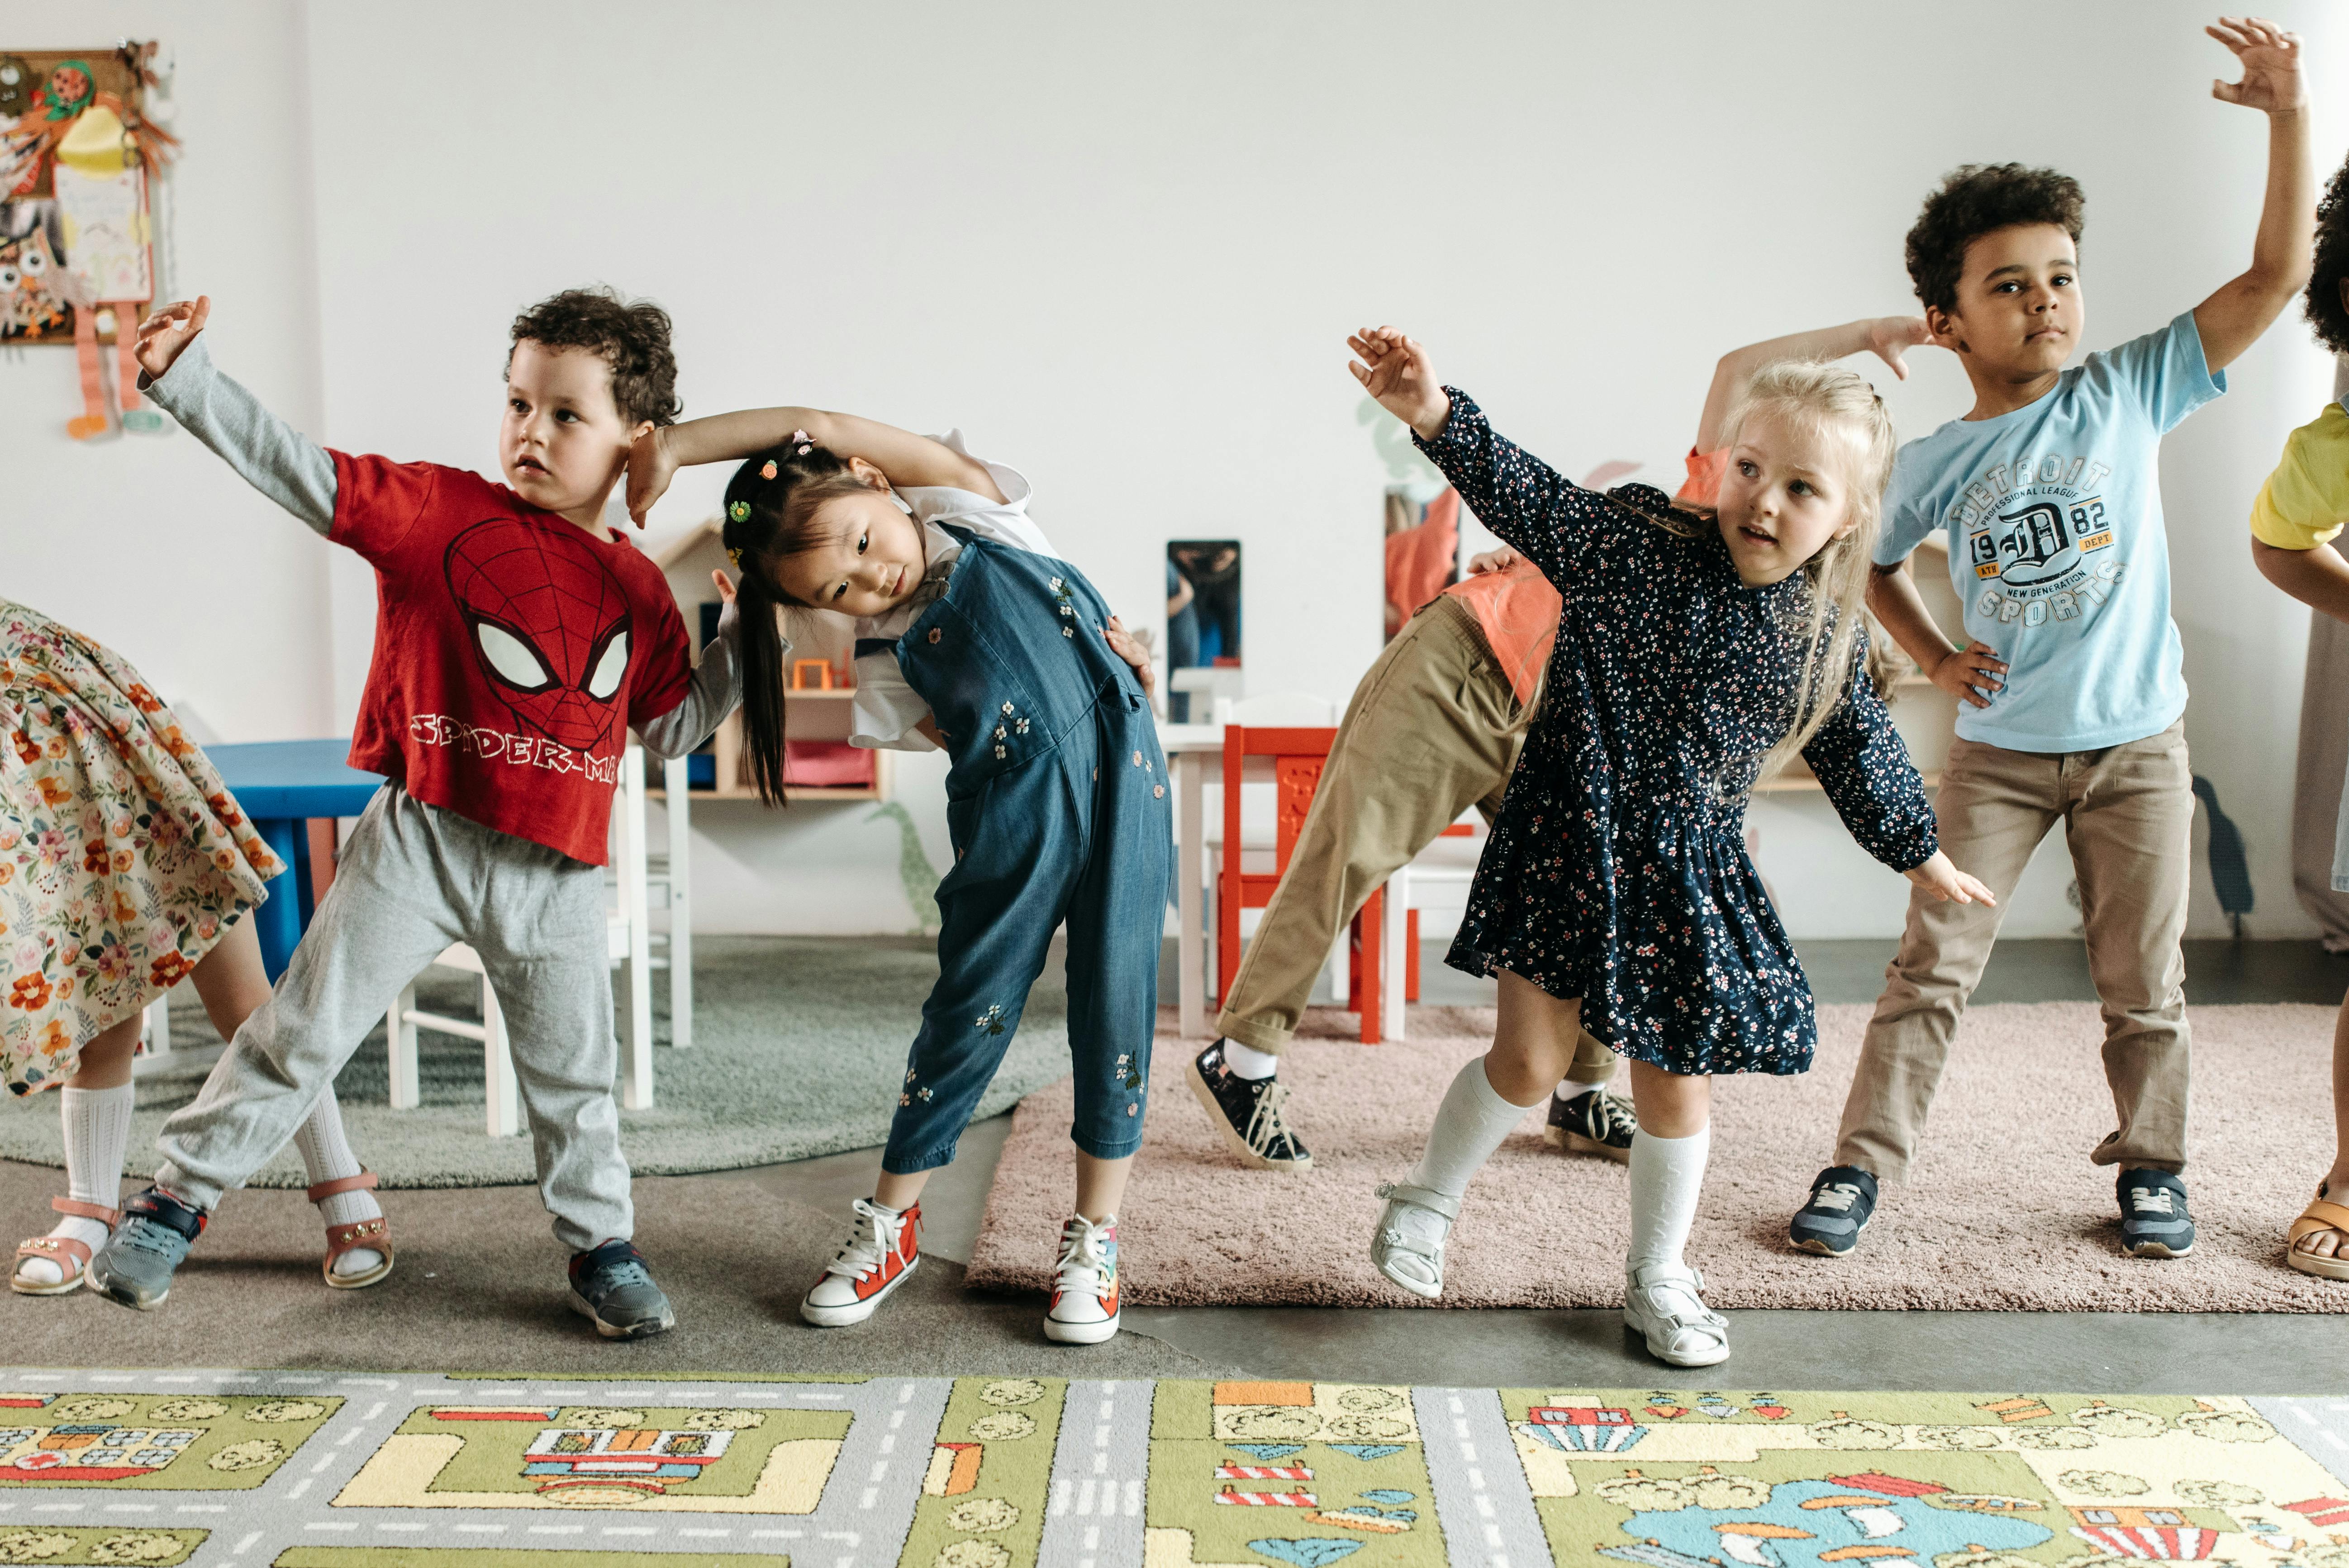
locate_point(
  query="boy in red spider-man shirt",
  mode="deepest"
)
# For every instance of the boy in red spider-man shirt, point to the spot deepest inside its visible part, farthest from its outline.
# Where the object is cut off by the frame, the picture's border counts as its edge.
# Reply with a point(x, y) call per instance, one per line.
point(517, 640)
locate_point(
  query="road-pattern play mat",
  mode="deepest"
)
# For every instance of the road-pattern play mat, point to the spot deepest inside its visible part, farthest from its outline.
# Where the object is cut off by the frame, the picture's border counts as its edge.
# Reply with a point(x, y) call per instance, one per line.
point(294, 1470)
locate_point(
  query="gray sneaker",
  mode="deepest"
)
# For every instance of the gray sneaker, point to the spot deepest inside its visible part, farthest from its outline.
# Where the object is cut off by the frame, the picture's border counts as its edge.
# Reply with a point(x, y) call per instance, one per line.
point(612, 1285)
point(2154, 1221)
point(136, 1264)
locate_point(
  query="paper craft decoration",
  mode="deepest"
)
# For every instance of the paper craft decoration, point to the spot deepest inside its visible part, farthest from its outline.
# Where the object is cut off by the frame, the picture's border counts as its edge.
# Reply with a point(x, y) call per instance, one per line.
point(79, 136)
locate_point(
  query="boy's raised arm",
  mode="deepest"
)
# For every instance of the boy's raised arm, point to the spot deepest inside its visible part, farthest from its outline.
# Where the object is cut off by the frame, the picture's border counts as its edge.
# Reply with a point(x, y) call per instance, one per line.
point(905, 458)
point(2231, 320)
point(270, 456)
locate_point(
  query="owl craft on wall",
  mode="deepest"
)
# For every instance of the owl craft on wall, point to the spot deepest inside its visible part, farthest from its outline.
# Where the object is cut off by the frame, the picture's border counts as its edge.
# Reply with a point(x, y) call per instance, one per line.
point(78, 138)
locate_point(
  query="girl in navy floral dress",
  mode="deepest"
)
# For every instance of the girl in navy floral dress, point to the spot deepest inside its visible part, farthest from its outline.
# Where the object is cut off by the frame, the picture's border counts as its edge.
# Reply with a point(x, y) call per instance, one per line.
point(1694, 654)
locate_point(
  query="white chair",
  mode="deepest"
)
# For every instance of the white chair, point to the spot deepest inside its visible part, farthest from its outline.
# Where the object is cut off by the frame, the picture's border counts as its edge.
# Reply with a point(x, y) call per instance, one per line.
point(669, 871)
point(1439, 877)
point(628, 941)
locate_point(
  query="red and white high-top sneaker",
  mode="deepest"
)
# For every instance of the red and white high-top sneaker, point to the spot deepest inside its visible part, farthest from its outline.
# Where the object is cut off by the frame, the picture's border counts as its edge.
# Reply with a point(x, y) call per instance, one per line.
point(879, 1253)
point(1084, 1285)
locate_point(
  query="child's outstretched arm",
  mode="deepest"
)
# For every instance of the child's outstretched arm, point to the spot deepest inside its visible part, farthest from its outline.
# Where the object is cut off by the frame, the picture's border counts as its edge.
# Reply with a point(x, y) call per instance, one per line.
point(270, 456)
point(903, 457)
point(1886, 336)
point(2231, 320)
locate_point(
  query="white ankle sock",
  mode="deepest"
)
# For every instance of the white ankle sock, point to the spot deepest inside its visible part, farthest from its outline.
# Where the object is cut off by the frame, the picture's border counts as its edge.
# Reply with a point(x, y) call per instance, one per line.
point(1667, 1176)
point(326, 1155)
point(97, 1135)
point(1469, 1125)
point(1247, 1062)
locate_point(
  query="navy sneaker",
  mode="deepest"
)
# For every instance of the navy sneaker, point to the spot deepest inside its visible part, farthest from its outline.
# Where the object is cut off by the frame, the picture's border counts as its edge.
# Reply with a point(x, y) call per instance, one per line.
point(1592, 1122)
point(1842, 1197)
point(2154, 1221)
point(136, 1264)
point(1247, 1111)
point(612, 1285)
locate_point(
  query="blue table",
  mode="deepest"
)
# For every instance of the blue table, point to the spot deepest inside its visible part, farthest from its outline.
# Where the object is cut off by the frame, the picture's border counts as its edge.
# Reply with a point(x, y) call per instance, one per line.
point(280, 785)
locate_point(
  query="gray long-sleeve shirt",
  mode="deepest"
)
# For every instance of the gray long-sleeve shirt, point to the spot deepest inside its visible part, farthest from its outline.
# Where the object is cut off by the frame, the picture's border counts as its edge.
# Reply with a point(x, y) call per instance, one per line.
point(299, 474)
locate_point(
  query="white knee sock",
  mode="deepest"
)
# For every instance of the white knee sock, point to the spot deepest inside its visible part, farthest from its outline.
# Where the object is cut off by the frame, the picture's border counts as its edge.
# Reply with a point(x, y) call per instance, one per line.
point(97, 1134)
point(1247, 1062)
point(1667, 1175)
point(1469, 1125)
point(326, 1155)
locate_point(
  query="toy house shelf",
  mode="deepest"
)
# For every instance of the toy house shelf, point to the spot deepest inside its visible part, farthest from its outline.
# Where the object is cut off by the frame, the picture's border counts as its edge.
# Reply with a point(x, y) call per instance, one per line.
point(813, 714)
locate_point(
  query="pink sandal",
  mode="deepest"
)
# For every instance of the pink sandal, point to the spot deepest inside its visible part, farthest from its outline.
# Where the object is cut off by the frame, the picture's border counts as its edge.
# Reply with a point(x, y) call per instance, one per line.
point(373, 1235)
point(62, 1250)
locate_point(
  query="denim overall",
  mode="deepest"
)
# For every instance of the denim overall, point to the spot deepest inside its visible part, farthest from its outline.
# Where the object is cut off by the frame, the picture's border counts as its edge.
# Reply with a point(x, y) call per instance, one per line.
point(1058, 806)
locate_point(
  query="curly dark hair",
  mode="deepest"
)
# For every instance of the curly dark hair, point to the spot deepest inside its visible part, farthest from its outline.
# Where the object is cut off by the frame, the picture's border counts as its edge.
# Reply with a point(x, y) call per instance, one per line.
point(2322, 303)
point(631, 337)
point(1973, 200)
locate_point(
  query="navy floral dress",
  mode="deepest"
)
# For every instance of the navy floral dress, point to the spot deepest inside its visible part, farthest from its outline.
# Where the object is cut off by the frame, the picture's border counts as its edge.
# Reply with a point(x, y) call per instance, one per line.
point(1616, 871)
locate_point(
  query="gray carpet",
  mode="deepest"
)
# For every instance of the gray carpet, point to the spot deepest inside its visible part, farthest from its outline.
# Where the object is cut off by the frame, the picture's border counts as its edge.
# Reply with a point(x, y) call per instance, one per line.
point(798, 1049)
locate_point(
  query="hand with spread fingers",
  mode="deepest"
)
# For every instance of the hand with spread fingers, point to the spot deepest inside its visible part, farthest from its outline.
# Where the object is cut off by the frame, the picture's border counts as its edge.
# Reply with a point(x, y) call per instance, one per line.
point(1394, 371)
point(166, 334)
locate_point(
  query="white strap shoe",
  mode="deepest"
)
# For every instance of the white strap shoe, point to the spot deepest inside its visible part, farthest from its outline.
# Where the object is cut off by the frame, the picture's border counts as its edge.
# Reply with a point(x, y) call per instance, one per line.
point(1408, 1246)
point(1662, 1303)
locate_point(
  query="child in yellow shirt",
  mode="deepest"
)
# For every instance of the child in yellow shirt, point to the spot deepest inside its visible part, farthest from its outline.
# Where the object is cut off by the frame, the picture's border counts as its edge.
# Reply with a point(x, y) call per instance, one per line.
point(2299, 511)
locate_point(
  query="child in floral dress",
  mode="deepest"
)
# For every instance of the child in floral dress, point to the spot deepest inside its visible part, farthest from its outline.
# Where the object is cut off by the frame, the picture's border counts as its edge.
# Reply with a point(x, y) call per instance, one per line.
point(1693, 655)
point(125, 867)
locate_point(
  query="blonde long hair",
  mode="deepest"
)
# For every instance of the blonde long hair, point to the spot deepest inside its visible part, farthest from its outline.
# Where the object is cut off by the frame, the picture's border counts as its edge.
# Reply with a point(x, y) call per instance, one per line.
point(1839, 406)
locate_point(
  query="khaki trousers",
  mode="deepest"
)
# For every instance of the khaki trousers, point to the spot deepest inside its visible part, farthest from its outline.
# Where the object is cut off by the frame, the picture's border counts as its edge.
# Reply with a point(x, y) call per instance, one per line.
point(1433, 730)
point(2129, 820)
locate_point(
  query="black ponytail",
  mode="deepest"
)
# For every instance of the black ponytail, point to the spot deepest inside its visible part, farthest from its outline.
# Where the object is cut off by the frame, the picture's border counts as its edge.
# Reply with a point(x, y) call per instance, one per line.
point(770, 508)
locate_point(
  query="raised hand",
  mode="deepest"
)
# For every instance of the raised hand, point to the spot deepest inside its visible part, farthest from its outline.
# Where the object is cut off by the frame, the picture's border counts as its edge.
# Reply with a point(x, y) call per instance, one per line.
point(1891, 336)
point(1499, 560)
point(164, 334)
point(1133, 651)
point(1948, 885)
point(651, 466)
point(725, 586)
point(2270, 61)
point(1394, 371)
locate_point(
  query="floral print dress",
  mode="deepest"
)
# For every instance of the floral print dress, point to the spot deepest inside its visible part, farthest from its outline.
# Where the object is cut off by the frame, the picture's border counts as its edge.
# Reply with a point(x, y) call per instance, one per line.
point(122, 858)
point(1617, 870)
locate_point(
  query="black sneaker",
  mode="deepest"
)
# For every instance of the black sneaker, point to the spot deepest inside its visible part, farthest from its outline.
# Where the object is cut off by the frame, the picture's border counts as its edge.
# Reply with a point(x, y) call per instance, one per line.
point(612, 1285)
point(136, 1264)
point(2154, 1221)
point(1247, 1112)
point(1592, 1122)
point(1842, 1197)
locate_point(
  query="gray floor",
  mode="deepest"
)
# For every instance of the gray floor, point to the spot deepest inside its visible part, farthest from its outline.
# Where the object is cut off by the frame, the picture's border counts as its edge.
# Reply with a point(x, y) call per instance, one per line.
point(478, 1281)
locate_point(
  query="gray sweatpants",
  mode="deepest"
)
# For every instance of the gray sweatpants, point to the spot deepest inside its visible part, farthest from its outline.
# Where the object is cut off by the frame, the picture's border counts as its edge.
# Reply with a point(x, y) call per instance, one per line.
point(412, 879)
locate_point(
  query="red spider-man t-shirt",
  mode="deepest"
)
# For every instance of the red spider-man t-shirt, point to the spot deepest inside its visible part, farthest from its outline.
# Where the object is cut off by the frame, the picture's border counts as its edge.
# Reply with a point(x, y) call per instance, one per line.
point(512, 651)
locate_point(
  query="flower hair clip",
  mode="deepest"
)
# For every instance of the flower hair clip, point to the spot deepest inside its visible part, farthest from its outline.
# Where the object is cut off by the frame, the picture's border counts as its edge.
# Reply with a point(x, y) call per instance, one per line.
point(768, 472)
point(801, 441)
point(736, 557)
point(739, 511)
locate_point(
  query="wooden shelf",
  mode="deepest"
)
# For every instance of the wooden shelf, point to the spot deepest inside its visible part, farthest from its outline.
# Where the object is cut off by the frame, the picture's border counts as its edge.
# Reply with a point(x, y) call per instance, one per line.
point(1785, 783)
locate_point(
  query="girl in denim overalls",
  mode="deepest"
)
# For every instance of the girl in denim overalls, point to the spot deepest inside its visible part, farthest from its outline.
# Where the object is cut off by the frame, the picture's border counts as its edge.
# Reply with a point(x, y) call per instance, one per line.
point(971, 636)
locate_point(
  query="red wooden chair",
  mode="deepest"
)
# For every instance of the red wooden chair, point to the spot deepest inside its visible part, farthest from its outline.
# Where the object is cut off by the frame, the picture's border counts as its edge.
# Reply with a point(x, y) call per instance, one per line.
point(1297, 757)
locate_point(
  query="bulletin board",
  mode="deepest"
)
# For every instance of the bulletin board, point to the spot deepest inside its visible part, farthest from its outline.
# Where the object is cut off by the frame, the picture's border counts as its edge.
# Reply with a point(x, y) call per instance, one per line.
point(78, 146)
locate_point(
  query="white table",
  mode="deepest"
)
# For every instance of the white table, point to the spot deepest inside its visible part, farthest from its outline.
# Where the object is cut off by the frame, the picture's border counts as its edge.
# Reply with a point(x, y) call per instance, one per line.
point(1190, 749)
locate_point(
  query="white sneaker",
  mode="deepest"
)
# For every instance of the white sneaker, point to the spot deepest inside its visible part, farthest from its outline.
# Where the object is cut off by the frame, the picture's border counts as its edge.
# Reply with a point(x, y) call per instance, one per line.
point(1662, 1304)
point(1408, 1246)
point(879, 1254)
point(1084, 1284)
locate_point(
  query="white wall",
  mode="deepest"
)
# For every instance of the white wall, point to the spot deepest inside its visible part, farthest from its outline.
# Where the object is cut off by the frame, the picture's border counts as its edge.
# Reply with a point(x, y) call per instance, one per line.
point(1122, 248)
point(148, 544)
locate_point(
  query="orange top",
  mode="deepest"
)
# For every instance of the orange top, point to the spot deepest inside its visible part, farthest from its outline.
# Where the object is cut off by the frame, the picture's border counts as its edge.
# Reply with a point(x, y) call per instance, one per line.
point(1518, 611)
point(1702, 486)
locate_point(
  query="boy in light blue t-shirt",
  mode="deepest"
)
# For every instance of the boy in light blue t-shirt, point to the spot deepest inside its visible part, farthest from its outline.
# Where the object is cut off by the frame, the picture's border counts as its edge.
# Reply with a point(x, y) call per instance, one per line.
point(2070, 686)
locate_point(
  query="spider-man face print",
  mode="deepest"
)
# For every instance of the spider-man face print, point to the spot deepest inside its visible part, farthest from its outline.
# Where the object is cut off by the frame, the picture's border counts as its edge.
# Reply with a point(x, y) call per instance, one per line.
point(548, 623)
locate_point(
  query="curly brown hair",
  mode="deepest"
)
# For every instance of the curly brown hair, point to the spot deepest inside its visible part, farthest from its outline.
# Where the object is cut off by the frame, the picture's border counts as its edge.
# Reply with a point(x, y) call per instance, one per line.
point(631, 337)
point(2321, 304)
point(1974, 201)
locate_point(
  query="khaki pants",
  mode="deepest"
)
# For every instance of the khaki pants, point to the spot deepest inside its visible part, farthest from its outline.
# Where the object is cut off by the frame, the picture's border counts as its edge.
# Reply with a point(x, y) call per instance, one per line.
point(1433, 730)
point(2129, 820)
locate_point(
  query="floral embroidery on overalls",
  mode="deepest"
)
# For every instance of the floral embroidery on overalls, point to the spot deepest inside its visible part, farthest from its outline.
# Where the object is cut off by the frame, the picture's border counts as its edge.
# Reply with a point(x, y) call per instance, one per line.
point(989, 1022)
point(912, 1092)
point(1068, 605)
point(1126, 1072)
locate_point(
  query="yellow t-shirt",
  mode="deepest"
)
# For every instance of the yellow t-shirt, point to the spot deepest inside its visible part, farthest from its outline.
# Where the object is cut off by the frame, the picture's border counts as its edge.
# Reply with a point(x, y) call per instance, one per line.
point(2306, 500)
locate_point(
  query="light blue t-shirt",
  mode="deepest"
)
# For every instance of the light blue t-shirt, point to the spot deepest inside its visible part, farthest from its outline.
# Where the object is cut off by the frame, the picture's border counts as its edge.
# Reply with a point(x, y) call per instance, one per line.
point(2056, 544)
